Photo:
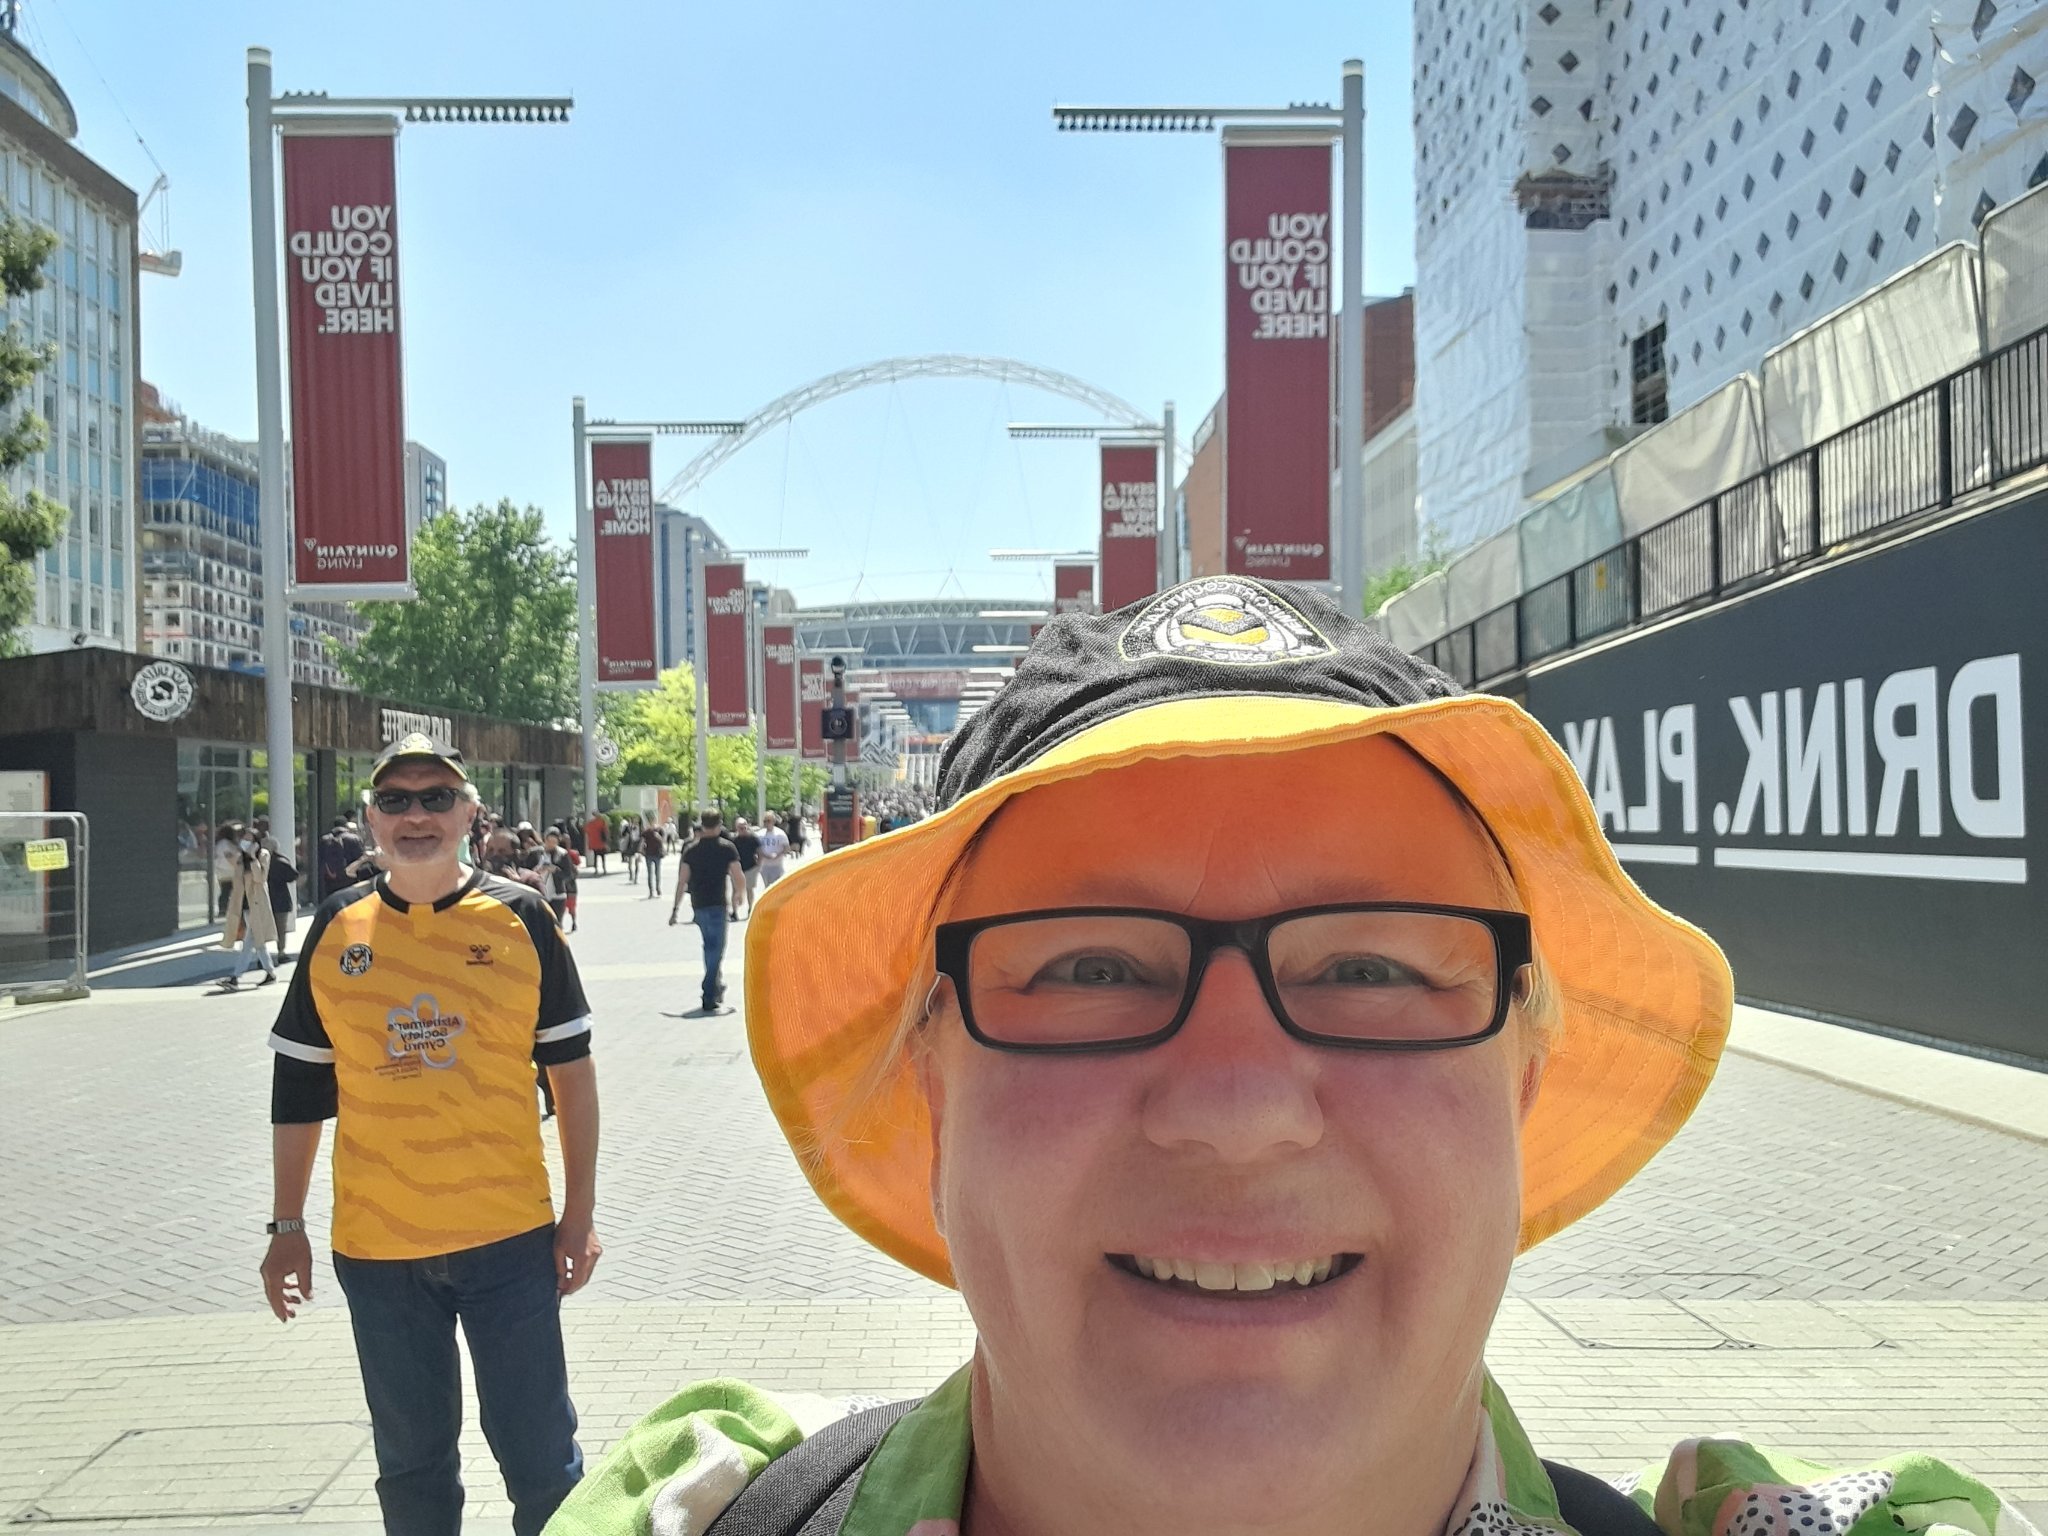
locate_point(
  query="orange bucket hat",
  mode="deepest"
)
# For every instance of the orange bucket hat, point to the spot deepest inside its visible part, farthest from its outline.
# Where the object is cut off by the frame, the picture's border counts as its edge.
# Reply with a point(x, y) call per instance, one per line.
point(840, 952)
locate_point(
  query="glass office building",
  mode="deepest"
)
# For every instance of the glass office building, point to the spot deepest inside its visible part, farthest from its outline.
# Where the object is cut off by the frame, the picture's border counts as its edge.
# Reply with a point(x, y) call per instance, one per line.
point(85, 583)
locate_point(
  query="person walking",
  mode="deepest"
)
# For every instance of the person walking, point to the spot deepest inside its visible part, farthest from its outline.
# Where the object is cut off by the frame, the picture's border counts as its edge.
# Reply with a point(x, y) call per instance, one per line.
point(652, 846)
point(420, 1008)
point(713, 880)
point(572, 869)
point(597, 834)
point(338, 850)
point(774, 849)
point(550, 868)
point(225, 857)
point(249, 921)
point(284, 885)
point(629, 848)
point(748, 844)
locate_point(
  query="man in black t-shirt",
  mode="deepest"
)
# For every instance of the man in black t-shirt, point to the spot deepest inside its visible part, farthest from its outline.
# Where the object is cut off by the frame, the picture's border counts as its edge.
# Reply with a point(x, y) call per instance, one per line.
point(711, 874)
point(748, 842)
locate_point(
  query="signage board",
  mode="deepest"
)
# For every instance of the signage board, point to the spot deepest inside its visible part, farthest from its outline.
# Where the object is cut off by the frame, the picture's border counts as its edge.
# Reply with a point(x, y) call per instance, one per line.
point(1853, 806)
point(349, 533)
point(1279, 316)
point(725, 646)
point(622, 528)
point(778, 684)
point(814, 693)
point(1130, 524)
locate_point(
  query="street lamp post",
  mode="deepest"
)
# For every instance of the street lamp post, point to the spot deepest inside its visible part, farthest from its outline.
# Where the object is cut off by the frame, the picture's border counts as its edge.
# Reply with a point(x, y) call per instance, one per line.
point(1348, 567)
point(265, 110)
point(584, 431)
point(1166, 536)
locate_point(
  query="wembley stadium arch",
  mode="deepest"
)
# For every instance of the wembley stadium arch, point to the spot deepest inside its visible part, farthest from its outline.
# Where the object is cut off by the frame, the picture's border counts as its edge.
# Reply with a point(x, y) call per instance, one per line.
point(939, 365)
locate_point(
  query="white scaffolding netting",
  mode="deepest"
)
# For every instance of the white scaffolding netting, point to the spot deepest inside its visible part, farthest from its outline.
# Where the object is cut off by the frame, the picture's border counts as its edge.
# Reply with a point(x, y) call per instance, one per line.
point(1570, 529)
point(1485, 577)
point(2016, 268)
point(1415, 617)
point(1891, 343)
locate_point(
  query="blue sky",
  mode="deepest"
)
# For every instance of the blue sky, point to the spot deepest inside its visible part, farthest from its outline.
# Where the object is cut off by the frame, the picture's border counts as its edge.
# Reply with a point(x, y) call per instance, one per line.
point(749, 197)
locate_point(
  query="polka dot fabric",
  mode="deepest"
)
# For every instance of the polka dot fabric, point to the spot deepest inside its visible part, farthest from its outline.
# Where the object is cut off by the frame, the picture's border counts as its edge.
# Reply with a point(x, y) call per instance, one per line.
point(1726, 1487)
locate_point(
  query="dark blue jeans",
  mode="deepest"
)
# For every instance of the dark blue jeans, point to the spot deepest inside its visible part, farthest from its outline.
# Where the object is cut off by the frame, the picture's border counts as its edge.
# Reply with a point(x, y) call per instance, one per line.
point(404, 1313)
point(710, 922)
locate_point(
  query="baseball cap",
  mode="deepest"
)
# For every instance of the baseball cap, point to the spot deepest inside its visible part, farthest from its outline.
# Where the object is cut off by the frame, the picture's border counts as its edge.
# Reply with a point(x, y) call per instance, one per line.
point(417, 747)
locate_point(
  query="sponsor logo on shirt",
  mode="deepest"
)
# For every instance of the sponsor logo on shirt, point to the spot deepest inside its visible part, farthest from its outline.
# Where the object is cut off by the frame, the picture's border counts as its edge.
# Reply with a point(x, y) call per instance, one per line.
point(421, 1035)
point(355, 960)
point(479, 954)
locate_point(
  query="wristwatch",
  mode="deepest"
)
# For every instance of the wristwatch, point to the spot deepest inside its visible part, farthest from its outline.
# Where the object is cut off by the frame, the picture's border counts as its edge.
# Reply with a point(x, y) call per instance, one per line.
point(289, 1224)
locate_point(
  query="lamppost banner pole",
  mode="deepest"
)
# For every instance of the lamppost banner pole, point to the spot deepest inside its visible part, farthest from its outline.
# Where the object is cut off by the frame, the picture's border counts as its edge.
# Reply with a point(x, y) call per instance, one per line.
point(586, 608)
point(276, 526)
point(1350, 569)
point(1169, 517)
point(757, 651)
point(701, 785)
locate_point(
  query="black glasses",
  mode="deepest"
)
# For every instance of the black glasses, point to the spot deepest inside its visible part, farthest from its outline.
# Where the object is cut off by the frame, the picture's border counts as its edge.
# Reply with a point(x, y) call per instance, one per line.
point(396, 802)
point(1371, 976)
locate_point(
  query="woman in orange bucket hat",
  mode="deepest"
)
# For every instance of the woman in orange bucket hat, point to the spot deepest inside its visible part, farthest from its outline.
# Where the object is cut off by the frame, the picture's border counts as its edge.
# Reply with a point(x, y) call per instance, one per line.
point(1227, 1140)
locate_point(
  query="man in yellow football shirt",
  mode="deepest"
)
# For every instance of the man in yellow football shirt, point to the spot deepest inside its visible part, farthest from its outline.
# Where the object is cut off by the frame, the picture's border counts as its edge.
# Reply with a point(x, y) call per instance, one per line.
point(418, 1010)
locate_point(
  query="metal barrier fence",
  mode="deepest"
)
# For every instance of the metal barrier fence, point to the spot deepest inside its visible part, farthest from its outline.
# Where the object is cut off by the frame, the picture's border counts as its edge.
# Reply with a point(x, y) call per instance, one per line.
point(1973, 430)
point(42, 905)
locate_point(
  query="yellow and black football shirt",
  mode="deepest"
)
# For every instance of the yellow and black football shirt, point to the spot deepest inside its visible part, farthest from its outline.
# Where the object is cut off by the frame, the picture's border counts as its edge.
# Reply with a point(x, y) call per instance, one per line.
point(416, 1029)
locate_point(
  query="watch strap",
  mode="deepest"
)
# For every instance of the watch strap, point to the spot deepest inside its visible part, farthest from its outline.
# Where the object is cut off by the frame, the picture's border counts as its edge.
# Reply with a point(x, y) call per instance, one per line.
point(289, 1224)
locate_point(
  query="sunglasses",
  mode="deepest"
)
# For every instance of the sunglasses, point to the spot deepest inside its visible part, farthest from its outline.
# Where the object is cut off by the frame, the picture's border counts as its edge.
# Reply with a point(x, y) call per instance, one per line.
point(396, 802)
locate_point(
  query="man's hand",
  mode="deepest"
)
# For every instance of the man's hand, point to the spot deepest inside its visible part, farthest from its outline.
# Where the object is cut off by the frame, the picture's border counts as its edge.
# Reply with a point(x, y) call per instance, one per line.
point(577, 1251)
point(288, 1274)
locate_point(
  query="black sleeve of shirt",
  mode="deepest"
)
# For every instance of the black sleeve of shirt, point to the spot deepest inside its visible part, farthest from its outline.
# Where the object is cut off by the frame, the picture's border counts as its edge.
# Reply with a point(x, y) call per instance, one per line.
point(562, 1004)
point(302, 1086)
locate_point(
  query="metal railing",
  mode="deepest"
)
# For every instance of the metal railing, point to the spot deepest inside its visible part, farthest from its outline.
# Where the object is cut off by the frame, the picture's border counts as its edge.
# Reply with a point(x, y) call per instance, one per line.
point(42, 905)
point(1977, 428)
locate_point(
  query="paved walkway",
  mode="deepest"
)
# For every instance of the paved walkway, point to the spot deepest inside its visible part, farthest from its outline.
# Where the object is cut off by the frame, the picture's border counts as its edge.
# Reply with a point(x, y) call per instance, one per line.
point(1837, 1269)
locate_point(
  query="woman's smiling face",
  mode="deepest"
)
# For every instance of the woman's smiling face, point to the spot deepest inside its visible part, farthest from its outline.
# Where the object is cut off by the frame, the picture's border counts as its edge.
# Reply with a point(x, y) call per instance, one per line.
point(1231, 1150)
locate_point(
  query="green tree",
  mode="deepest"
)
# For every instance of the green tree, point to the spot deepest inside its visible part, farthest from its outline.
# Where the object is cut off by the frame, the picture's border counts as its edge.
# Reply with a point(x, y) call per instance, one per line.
point(1399, 578)
point(493, 628)
point(29, 523)
point(656, 729)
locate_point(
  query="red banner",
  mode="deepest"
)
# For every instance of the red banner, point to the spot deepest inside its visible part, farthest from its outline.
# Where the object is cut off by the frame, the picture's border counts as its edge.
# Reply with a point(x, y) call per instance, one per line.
point(778, 683)
point(622, 522)
point(1073, 587)
point(926, 685)
point(341, 315)
point(1130, 524)
point(1278, 320)
point(814, 693)
point(725, 646)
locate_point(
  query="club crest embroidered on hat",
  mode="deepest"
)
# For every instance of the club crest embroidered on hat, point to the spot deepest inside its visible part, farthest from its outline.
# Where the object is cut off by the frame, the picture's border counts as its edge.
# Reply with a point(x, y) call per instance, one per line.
point(1223, 620)
point(417, 743)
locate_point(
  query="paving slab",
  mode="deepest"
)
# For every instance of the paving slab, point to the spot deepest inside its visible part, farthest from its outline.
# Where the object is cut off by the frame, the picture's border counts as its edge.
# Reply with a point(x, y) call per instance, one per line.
point(1821, 1259)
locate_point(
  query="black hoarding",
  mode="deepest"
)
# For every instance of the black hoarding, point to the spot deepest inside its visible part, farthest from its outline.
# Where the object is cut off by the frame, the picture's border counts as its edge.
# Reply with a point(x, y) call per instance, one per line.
point(1832, 777)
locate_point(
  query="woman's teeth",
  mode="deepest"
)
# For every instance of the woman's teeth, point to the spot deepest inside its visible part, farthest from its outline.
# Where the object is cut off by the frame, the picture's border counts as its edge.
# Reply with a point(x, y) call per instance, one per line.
point(1237, 1277)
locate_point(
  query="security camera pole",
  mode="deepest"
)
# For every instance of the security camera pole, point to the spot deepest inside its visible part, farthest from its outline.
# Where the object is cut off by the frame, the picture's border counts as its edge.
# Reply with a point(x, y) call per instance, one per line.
point(842, 801)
